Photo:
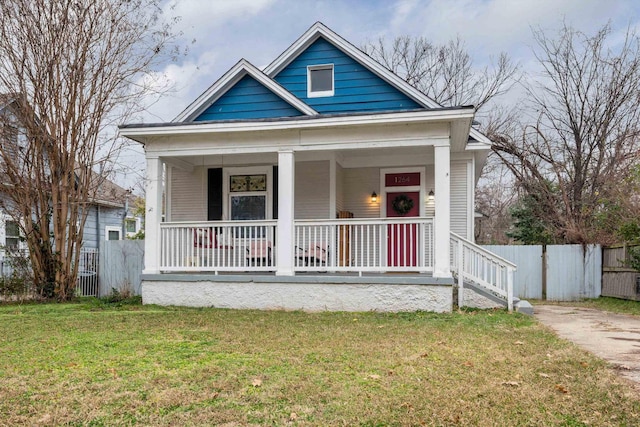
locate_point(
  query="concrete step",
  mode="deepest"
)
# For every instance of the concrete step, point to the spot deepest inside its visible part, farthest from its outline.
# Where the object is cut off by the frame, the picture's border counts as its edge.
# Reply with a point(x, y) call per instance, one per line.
point(521, 306)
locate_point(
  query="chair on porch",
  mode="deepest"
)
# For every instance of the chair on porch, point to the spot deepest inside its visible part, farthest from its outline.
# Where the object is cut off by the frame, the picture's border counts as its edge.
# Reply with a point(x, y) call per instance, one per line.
point(315, 256)
point(259, 253)
point(205, 239)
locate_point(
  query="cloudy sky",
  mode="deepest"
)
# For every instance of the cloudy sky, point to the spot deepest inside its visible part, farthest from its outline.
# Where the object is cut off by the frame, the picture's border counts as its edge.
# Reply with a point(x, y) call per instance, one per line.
point(220, 32)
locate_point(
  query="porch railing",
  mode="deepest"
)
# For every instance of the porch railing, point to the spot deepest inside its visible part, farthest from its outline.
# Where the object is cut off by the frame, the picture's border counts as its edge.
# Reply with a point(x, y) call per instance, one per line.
point(475, 264)
point(337, 245)
point(218, 246)
point(364, 245)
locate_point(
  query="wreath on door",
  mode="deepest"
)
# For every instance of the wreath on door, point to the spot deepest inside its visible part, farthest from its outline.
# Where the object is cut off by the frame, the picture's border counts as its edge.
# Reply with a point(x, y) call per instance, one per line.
point(402, 204)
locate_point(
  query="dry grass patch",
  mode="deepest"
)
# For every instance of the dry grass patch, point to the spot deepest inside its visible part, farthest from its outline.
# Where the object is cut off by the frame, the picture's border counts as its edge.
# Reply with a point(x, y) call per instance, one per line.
point(86, 365)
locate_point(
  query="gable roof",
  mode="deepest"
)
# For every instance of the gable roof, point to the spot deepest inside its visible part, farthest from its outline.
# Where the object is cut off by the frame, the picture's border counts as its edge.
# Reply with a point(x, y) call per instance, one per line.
point(318, 30)
point(245, 68)
point(105, 192)
point(229, 80)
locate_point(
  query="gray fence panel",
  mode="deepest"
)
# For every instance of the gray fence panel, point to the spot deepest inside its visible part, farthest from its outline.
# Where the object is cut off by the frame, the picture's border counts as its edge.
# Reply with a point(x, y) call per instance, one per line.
point(121, 264)
point(573, 272)
point(527, 280)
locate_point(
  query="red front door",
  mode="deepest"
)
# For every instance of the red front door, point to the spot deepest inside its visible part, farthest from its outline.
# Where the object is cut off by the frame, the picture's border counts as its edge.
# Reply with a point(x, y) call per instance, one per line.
point(402, 239)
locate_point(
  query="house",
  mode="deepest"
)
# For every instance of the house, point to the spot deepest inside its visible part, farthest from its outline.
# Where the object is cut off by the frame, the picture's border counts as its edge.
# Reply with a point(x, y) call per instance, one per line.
point(323, 182)
point(109, 216)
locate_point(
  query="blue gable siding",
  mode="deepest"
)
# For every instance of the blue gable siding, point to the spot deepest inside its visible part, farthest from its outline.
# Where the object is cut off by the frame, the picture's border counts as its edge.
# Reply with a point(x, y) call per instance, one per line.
point(248, 99)
point(356, 89)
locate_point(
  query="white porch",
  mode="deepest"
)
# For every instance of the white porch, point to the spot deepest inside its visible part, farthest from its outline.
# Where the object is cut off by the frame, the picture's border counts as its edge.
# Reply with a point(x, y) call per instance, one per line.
point(305, 172)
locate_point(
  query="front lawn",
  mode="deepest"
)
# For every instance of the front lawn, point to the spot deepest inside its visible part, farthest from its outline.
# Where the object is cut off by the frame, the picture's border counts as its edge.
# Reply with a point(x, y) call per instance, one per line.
point(92, 364)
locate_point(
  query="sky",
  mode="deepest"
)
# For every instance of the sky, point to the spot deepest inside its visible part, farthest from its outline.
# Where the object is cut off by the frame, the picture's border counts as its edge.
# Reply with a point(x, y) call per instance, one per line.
point(219, 33)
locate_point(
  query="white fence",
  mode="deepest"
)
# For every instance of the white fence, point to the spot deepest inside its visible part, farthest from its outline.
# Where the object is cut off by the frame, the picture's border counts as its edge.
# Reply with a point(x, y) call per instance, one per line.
point(88, 270)
point(571, 272)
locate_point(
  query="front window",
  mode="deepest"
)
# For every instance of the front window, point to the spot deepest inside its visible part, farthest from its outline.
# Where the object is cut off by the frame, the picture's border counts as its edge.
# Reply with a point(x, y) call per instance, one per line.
point(130, 225)
point(320, 80)
point(112, 233)
point(12, 234)
point(248, 197)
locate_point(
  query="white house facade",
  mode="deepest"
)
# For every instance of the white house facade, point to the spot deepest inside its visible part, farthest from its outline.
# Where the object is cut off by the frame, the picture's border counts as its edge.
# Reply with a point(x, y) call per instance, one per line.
point(323, 182)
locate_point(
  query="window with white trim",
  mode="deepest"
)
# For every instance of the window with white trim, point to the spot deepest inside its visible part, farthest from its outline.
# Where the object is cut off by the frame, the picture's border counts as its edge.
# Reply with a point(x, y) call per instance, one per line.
point(131, 225)
point(320, 80)
point(248, 197)
point(12, 234)
point(112, 233)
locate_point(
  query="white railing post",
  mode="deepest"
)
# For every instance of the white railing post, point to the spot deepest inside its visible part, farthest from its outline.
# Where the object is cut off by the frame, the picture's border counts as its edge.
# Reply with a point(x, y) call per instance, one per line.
point(461, 273)
point(510, 272)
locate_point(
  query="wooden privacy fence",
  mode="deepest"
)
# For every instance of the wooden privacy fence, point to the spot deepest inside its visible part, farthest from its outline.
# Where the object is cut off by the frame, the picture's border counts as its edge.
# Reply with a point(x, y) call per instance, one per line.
point(618, 279)
point(121, 264)
point(572, 272)
point(562, 273)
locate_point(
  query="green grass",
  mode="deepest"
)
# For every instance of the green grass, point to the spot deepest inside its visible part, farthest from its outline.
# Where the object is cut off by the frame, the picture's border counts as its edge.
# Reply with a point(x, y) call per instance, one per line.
point(614, 305)
point(101, 364)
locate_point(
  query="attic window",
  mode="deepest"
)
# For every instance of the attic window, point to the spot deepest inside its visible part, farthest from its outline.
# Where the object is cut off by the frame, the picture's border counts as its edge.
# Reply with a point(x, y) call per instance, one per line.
point(320, 80)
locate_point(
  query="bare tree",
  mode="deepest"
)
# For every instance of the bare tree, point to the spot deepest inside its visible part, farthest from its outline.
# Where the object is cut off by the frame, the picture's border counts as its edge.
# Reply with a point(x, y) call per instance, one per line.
point(580, 135)
point(445, 72)
point(70, 69)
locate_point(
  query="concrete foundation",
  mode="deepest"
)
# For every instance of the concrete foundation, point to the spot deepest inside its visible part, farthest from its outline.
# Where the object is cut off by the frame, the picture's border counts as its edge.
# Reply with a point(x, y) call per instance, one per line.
point(309, 293)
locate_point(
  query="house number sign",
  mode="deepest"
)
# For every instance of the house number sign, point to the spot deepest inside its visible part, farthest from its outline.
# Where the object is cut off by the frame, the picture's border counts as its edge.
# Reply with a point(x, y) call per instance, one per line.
point(402, 179)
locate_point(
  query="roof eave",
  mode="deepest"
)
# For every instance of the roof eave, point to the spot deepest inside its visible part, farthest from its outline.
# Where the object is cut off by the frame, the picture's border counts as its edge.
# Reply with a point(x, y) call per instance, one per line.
point(142, 132)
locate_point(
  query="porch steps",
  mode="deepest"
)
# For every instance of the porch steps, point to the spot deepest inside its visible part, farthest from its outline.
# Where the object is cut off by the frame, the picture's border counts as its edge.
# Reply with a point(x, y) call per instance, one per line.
point(521, 306)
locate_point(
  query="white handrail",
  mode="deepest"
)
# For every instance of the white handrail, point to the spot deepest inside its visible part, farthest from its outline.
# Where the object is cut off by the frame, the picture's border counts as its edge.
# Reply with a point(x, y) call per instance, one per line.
point(364, 245)
point(482, 267)
point(218, 246)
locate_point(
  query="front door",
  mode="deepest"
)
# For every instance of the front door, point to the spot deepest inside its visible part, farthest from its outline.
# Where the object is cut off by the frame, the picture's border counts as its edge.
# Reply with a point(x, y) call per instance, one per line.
point(402, 190)
point(402, 239)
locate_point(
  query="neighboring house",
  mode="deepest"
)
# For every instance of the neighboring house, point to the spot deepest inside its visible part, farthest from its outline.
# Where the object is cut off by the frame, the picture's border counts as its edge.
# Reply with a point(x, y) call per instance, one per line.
point(110, 215)
point(324, 181)
point(109, 218)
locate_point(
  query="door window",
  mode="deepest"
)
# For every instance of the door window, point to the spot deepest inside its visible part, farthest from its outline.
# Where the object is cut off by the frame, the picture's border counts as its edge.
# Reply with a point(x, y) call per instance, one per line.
point(246, 207)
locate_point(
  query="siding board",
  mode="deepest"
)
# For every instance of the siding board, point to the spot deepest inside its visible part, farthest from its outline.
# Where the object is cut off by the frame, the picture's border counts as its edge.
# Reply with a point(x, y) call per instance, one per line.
point(459, 202)
point(188, 195)
point(357, 187)
point(312, 190)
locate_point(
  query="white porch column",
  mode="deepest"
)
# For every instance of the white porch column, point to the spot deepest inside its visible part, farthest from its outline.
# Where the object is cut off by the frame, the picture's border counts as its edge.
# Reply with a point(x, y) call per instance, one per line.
point(442, 221)
point(285, 233)
point(153, 216)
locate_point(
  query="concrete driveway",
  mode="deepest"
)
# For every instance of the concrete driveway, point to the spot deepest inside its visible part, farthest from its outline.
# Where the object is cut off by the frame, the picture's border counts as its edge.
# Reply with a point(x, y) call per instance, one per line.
point(613, 337)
